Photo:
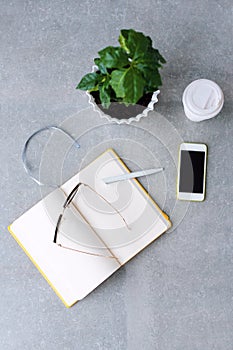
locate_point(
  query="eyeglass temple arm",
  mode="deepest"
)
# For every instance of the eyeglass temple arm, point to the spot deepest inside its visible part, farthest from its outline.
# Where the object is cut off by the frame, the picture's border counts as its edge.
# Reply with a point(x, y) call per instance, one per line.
point(67, 202)
point(57, 227)
point(71, 195)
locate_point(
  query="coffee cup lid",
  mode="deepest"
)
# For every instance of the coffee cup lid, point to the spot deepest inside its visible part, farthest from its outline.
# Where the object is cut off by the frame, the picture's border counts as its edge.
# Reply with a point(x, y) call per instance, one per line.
point(202, 99)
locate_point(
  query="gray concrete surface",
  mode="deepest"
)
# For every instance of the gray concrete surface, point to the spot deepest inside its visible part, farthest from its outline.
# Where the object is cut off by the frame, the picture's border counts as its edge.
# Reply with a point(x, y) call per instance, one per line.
point(178, 293)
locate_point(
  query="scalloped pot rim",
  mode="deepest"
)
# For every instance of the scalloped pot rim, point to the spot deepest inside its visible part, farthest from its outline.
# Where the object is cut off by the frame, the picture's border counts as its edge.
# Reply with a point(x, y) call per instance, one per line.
point(150, 107)
point(144, 114)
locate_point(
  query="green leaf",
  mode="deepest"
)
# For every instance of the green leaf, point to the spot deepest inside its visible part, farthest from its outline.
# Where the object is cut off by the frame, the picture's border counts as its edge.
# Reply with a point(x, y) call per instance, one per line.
point(153, 79)
point(117, 80)
point(123, 38)
point(148, 64)
point(134, 43)
point(105, 93)
point(128, 84)
point(156, 55)
point(89, 81)
point(159, 56)
point(134, 86)
point(150, 59)
point(114, 57)
point(101, 66)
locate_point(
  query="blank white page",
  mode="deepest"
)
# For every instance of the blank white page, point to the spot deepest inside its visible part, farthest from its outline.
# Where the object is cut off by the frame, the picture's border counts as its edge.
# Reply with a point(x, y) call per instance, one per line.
point(71, 274)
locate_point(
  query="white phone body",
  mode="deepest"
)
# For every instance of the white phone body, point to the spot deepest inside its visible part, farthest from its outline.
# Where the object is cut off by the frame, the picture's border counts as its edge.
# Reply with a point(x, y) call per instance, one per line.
point(192, 171)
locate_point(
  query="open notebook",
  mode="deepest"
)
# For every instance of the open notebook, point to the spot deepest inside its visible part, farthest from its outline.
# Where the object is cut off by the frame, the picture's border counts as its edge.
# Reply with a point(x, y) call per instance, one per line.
point(97, 228)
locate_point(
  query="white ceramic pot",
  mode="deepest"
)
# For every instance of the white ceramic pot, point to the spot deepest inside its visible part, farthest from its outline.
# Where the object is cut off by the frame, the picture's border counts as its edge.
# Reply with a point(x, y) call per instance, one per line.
point(143, 114)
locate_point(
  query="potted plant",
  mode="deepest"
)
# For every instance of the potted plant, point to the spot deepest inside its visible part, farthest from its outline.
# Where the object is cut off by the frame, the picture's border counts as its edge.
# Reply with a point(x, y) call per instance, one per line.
point(124, 82)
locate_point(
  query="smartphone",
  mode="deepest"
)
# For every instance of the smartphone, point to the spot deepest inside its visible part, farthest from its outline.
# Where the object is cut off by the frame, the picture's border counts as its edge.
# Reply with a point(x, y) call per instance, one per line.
point(192, 171)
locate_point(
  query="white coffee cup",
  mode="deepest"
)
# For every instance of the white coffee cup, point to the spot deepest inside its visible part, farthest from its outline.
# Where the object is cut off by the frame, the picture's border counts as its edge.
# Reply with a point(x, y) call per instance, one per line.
point(202, 99)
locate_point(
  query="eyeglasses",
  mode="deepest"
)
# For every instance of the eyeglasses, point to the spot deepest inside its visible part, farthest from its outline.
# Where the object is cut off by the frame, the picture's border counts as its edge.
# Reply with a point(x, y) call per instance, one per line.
point(67, 203)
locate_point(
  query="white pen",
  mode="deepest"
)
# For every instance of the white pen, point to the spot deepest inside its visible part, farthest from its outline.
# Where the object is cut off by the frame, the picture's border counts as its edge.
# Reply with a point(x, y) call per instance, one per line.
point(133, 175)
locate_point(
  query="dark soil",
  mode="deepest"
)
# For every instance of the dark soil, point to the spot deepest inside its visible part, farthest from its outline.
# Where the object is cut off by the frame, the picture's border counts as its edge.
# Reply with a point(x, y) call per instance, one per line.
point(120, 110)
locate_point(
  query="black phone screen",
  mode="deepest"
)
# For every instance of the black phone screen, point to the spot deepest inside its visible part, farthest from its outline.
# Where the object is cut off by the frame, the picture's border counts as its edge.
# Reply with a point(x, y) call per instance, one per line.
point(192, 171)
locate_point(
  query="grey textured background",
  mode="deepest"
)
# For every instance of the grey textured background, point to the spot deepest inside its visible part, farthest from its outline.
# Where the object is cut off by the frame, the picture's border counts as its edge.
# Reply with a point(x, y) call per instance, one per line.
point(178, 293)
